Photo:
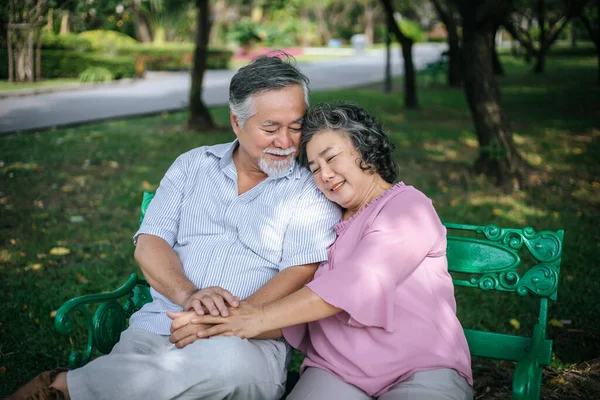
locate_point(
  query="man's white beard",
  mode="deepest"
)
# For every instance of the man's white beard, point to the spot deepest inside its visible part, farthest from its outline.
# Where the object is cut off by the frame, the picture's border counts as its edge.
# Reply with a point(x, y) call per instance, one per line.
point(276, 168)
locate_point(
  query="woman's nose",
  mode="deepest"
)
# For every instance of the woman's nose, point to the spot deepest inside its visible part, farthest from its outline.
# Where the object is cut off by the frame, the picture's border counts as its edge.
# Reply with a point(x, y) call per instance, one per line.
point(326, 174)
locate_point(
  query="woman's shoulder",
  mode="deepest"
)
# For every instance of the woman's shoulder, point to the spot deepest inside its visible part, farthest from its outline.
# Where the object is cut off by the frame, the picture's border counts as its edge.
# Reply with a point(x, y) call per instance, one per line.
point(402, 197)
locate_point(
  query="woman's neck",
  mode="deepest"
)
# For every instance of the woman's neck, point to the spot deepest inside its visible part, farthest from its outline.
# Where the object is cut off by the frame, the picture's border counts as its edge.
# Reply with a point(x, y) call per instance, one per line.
point(376, 189)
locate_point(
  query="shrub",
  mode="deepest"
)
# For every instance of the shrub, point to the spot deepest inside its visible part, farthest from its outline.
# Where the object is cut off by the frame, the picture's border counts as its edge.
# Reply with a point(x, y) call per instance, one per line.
point(69, 64)
point(179, 57)
point(109, 42)
point(70, 41)
point(96, 74)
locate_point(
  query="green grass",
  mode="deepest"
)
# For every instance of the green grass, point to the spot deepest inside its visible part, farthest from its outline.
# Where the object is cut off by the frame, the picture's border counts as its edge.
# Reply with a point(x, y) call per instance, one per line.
point(8, 86)
point(80, 188)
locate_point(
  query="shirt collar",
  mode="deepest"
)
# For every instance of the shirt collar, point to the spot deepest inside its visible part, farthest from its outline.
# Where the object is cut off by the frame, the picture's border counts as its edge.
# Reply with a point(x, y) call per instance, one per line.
point(225, 153)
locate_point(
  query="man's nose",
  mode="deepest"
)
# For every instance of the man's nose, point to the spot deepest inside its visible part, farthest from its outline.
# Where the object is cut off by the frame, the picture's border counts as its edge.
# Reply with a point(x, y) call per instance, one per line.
point(283, 140)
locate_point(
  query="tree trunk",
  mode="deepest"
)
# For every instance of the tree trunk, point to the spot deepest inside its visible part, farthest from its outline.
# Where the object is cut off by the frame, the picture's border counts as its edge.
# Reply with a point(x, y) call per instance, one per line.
point(306, 23)
point(323, 29)
point(573, 35)
point(387, 85)
point(454, 53)
point(410, 79)
point(541, 54)
point(199, 118)
point(447, 15)
point(369, 21)
point(38, 56)
point(410, 86)
point(498, 156)
point(496, 64)
point(142, 29)
point(10, 55)
point(64, 24)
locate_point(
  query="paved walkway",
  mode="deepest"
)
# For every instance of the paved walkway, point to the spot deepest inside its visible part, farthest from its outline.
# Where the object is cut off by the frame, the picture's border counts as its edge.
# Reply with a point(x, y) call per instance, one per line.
point(169, 91)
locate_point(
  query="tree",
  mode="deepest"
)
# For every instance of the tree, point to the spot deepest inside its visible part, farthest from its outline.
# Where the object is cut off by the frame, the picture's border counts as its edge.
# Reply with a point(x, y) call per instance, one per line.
point(410, 86)
point(498, 156)
point(199, 118)
point(25, 20)
point(593, 27)
point(551, 16)
point(447, 14)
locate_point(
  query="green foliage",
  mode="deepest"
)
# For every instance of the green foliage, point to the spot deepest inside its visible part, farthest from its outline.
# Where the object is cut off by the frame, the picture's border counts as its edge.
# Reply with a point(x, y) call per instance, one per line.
point(70, 41)
point(245, 33)
point(412, 30)
point(109, 42)
point(96, 74)
point(70, 64)
point(179, 57)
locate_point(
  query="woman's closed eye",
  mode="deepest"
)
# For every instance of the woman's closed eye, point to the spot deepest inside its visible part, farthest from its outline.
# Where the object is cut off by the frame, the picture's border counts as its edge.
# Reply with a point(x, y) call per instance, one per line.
point(314, 171)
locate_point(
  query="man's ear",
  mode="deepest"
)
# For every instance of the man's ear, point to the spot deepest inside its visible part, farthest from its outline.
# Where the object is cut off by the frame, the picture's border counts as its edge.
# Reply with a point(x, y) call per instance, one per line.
point(234, 123)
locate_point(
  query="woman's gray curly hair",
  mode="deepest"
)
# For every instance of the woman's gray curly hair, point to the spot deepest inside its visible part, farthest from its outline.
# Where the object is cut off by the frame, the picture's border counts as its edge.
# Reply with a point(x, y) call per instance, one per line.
point(365, 132)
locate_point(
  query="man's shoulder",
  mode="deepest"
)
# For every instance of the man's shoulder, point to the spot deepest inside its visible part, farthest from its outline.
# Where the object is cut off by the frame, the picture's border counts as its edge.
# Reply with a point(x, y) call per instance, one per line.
point(199, 153)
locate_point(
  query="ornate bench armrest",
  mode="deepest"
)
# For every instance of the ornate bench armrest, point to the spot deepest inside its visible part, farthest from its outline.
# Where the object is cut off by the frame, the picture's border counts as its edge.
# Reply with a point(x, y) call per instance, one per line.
point(108, 321)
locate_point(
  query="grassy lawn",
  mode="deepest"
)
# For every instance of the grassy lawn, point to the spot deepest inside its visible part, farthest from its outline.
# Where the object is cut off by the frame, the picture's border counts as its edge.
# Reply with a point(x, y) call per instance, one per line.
point(80, 189)
point(7, 86)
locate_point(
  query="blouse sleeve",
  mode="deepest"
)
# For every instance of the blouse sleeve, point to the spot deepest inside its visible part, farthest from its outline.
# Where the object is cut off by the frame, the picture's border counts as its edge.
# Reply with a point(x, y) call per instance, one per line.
point(406, 230)
point(297, 336)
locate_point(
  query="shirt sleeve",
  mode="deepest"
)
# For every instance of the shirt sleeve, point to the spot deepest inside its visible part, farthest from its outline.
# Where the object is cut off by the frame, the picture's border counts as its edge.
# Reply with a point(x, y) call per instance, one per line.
point(162, 215)
point(405, 232)
point(310, 231)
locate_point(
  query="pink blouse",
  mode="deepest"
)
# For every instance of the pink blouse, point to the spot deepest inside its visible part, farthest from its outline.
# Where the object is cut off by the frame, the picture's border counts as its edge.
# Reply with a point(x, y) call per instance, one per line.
point(388, 272)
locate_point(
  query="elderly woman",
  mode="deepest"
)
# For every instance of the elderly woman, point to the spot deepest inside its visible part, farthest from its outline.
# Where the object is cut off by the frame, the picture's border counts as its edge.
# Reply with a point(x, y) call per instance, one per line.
point(379, 317)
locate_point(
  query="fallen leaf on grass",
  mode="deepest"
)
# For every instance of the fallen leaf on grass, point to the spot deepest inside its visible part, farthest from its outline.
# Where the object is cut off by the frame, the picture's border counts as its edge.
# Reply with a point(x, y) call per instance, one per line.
point(496, 211)
point(67, 188)
point(556, 323)
point(559, 380)
point(113, 164)
point(52, 313)
point(33, 267)
point(515, 324)
point(77, 219)
point(2, 370)
point(147, 186)
point(81, 279)
point(59, 251)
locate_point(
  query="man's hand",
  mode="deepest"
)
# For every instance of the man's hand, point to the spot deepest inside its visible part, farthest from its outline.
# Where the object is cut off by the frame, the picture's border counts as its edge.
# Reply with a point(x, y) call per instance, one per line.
point(214, 299)
point(182, 331)
point(247, 321)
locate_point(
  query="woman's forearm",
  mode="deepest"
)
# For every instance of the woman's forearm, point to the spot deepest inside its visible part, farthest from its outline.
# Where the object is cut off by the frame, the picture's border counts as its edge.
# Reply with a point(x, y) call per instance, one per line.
point(297, 308)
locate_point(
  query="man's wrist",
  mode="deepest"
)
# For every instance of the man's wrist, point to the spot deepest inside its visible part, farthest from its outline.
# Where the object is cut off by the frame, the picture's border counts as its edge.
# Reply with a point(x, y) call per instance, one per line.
point(184, 293)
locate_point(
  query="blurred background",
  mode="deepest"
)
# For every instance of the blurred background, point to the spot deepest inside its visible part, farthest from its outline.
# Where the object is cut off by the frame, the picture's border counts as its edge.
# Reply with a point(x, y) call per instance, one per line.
point(493, 105)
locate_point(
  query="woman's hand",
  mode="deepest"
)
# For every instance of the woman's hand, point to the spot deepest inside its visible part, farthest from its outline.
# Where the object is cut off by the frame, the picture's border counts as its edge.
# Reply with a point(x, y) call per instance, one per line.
point(246, 321)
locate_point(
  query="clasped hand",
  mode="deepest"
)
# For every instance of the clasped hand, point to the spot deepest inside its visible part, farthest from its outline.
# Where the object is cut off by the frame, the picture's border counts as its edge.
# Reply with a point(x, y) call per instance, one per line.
point(246, 321)
point(212, 299)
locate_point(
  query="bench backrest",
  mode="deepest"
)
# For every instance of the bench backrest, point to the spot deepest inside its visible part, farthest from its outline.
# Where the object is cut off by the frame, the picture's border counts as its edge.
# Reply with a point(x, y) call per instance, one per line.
point(490, 258)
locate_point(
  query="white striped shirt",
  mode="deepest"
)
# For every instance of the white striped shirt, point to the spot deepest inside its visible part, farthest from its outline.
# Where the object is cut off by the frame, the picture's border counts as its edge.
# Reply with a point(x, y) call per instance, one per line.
point(232, 241)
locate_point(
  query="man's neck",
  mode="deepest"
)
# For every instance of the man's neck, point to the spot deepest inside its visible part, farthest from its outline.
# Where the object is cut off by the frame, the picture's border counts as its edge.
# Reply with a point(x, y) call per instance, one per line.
point(249, 174)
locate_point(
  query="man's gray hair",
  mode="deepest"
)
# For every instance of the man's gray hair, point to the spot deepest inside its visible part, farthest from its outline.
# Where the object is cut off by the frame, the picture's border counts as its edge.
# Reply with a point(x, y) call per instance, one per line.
point(263, 74)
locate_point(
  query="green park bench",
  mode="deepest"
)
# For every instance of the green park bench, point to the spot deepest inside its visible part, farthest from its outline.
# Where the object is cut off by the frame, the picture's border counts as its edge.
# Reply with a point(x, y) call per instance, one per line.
point(479, 257)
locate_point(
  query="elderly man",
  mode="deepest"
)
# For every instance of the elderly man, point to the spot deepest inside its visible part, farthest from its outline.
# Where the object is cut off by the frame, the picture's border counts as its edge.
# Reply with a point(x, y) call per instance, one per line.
point(233, 221)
